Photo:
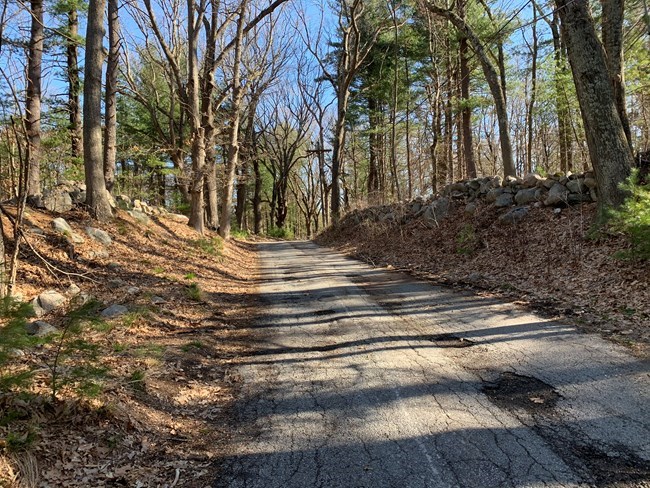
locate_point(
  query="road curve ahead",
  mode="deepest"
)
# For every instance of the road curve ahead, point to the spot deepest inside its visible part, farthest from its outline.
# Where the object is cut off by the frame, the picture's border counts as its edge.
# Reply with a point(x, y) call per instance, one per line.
point(369, 378)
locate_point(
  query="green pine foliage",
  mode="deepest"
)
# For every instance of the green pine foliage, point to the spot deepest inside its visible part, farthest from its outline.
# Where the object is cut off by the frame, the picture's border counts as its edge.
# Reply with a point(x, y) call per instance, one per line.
point(633, 218)
point(14, 338)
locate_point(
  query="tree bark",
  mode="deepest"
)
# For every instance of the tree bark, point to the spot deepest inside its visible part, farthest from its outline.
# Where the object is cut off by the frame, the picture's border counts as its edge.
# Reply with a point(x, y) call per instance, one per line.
point(613, 15)
point(609, 150)
point(110, 115)
point(33, 100)
point(74, 86)
point(233, 145)
point(466, 112)
point(494, 82)
point(257, 198)
point(97, 197)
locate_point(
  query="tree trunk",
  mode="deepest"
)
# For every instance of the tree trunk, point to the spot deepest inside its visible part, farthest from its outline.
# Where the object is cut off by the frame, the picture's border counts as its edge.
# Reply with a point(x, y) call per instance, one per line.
point(373, 174)
point(97, 197)
point(233, 146)
point(533, 95)
point(74, 86)
point(33, 100)
point(211, 189)
point(613, 15)
point(494, 82)
point(110, 130)
point(257, 198)
point(609, 150)
point(337, 152)
point(466, 113)
point(242, 195)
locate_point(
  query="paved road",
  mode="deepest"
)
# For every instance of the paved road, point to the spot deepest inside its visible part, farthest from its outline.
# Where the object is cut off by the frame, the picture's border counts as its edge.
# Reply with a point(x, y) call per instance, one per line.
point(370, 378)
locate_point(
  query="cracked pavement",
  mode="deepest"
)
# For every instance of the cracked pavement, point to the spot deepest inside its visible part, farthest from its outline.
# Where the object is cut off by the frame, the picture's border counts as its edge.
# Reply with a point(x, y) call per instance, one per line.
point(363, 377)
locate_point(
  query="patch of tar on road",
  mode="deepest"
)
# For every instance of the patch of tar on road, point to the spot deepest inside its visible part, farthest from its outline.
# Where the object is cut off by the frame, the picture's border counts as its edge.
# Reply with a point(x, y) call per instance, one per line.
point(534, 402)
point(452, 341)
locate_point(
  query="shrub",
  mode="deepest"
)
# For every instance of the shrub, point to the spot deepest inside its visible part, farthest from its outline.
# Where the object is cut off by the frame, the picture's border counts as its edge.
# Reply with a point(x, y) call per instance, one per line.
point(212, 246)
point(466, 240)
point(633, 218)
point(280, 233)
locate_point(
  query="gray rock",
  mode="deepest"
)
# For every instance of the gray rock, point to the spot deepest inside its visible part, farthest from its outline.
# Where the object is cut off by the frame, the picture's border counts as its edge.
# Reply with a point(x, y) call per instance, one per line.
point(47, 301)
point(116, 283)
point(156, 300)
point(473, 278)
point(493, 194)
point(39, 328)
point(575, 198)
point(548, 183)
point(133, 290)
point(470, 208)
point(526, 196)
point(514, 216)
point(511, 181)
point(531, 180)
point(139, 216)
point(496, 182)
point(101, 254)
point(504, 200)
point(124, 202)
point(591, 183)
point(36, 231)
point(437, 210)
point(61, 226)
point(455, 187)
point(57, 201)
point(114, 311)
point(416, 207)
point(474, 184)
point(73, 290)
point(114, 266)
point(557, 195)
point(576, 186)
point(80, 299)
point(78, 196)
point(181, 219)
point(593, 193)
point(99, 235)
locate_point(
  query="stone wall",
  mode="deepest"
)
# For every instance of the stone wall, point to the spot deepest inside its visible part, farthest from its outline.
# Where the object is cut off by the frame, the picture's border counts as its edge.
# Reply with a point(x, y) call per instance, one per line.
point(515, 194)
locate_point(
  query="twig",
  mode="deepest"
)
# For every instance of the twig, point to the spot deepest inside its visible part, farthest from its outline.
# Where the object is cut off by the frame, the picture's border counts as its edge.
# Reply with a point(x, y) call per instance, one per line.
point(50, 267)
point(176, 478)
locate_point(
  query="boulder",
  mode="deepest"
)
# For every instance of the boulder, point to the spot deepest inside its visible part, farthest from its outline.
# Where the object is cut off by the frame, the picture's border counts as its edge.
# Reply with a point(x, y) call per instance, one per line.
point(548, 183)
point(47, 301)
point(139, 216)
point(591, 183)
point(61, 226)
point(39, 328)
point(124, 202)
point(99, 235)
point(557, 195)
point(437, 210)
point(531, 180)
point(514, 216)
point(493, 194)
point(529, 195)
point(78, 196)
point(504, 200)
point(470, 208)
point(181, 219)
point(73, 290)
point(57, 201)
point(156, 300)
point(474, 184)
point(576, 186)
point(114, 311)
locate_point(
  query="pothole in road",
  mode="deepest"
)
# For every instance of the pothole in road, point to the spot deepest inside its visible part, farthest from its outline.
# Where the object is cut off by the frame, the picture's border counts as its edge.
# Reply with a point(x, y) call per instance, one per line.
point(448, 340)
point(512, 391)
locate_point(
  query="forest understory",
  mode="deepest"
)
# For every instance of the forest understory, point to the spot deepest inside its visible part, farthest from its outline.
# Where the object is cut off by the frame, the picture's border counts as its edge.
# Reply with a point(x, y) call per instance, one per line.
point(556, 263)
point(142, 398)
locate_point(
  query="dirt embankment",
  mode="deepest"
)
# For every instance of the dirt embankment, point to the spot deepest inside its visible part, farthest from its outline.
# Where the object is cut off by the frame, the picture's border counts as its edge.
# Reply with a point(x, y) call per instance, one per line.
point(549, 260)
point(143, 397)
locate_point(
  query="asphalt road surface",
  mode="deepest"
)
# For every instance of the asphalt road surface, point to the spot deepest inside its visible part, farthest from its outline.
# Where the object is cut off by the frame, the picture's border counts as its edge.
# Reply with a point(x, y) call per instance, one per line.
point(364, 377)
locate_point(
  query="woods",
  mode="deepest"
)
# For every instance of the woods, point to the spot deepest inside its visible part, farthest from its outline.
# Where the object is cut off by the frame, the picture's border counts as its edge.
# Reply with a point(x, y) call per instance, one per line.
point(280, 117)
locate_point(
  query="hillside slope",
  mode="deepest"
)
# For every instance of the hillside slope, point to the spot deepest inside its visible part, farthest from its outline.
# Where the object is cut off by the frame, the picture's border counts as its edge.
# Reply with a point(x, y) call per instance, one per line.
point(548, 259)
point(143, 395)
